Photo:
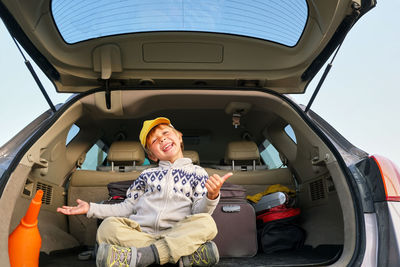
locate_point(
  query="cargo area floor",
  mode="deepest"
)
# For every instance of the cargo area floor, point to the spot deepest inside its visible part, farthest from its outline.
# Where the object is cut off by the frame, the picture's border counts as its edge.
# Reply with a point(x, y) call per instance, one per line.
point(321, 255)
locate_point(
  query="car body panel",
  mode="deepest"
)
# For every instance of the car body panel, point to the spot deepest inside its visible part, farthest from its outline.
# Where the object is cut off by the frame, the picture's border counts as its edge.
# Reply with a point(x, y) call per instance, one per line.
point(394, 249)
point(129, 77)
point(365, 222)
point(372, 244)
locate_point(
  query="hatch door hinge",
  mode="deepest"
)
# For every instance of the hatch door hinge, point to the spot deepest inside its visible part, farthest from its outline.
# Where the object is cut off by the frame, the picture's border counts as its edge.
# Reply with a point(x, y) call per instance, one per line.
point(356, 4)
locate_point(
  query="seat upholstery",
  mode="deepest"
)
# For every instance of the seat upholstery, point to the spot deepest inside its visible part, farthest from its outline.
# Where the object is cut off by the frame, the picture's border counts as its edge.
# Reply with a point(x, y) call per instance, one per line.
point(242, 153)
point(124, 156)
point(126, 151)
point(243, 157)
point(193, 155)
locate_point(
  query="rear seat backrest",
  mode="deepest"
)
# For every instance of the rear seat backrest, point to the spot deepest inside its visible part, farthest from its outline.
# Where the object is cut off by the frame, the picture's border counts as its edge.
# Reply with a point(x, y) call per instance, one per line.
point(253, 178)
point(193, 155)
point(243, 153)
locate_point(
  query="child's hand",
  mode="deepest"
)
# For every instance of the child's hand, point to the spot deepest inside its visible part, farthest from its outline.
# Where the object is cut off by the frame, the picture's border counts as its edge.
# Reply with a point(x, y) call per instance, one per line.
point(214, 184)
point(82, 208)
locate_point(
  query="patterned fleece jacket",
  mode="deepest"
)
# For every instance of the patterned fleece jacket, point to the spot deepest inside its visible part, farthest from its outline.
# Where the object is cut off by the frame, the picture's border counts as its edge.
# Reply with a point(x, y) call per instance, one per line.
point(162, 196)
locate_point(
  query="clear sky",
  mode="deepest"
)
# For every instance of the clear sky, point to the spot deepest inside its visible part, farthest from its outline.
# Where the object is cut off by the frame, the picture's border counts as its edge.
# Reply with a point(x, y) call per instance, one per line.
point(360, 97)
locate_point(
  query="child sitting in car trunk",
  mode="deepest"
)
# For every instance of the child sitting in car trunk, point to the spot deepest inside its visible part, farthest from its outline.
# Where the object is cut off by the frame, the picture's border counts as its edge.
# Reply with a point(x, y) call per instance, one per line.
point(166, 216)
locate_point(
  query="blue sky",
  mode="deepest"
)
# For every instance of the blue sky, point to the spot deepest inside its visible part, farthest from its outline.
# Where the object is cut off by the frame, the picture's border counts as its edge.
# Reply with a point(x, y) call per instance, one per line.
point(360, 97)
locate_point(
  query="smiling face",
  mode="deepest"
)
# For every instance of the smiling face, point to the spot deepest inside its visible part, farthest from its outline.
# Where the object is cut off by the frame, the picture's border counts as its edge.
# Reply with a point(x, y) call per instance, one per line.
point(164, 143)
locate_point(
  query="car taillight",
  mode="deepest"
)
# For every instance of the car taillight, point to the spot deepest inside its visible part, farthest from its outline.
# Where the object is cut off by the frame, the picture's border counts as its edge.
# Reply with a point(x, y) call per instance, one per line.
point(390, 176)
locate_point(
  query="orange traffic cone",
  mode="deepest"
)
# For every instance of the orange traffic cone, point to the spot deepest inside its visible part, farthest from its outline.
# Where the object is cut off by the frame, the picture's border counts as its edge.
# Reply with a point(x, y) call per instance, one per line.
point(24, 242)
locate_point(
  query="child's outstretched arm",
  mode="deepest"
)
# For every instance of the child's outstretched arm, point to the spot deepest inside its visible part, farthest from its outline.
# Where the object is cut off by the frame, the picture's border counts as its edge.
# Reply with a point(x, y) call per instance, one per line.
point(214, 184)
point(81, 208)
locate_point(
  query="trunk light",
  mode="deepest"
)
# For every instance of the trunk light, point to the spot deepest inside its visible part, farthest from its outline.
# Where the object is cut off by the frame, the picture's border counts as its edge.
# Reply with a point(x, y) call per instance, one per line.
point(390, 176)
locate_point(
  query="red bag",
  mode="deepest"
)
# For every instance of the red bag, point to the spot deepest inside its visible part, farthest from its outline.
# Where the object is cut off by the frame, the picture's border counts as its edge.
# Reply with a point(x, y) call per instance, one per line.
point(277, 213)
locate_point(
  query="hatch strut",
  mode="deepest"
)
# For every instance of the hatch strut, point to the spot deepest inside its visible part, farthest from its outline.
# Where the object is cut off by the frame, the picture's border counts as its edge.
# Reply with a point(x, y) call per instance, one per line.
point(32, 71)
point(321, 81)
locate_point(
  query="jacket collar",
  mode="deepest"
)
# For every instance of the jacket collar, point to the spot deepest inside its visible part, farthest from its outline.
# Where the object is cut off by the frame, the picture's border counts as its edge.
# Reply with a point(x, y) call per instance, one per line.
point(178, 163)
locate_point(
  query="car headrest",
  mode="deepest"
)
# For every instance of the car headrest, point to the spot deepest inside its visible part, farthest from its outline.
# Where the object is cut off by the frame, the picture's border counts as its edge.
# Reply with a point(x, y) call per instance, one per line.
point(126, 152)
point(242, 152)
point(193, 155)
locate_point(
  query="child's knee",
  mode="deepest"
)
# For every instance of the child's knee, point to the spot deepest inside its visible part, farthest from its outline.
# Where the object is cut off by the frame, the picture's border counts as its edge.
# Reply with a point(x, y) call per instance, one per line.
point(207, 221)
point(105, 229)
point(114, 229)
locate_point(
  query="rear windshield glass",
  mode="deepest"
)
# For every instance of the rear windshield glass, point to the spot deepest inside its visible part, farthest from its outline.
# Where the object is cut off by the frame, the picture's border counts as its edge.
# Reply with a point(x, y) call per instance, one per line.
point(273, 20)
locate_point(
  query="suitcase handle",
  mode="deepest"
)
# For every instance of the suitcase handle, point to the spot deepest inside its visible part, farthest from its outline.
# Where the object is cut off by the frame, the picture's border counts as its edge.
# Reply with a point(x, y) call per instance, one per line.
point(231, 208)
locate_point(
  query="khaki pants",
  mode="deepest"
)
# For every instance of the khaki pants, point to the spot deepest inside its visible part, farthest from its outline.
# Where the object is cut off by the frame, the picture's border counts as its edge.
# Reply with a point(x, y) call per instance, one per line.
point(180, 240)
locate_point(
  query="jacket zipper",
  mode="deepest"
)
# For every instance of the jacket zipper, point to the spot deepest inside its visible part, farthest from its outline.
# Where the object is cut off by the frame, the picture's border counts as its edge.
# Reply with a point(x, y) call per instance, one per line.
point(167, 193)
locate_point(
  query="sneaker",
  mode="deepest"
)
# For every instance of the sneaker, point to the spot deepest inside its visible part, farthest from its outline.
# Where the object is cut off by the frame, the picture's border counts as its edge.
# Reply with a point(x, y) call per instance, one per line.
point(113, 255)
point(206, 255)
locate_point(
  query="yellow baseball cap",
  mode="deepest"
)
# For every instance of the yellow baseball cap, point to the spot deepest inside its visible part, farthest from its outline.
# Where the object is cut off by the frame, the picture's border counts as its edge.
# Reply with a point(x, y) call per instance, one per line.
point(148, 125)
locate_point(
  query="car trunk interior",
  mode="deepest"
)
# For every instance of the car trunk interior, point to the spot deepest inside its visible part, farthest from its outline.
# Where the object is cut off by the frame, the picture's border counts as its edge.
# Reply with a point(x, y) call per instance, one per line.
point(205, 119)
